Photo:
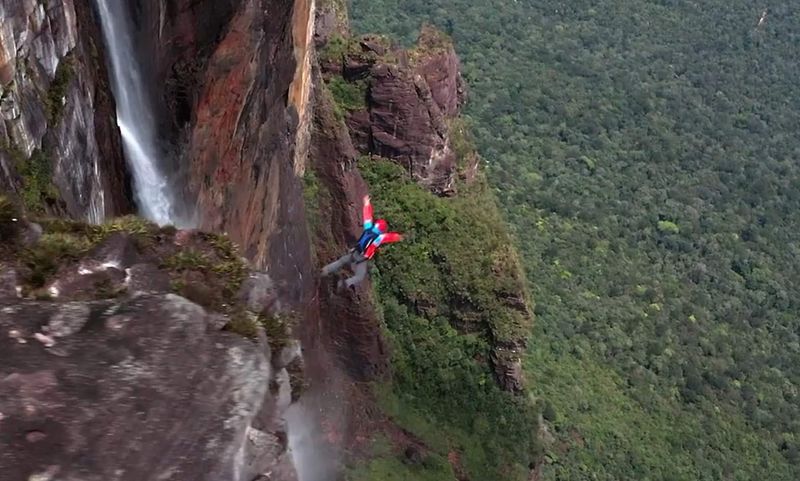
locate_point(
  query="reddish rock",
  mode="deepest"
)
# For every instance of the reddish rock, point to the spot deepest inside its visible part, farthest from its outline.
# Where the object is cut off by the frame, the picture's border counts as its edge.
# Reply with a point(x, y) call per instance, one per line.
point(360, 127)
point(438, 63)
point(356, 67)
point(408, 127)
point(411, 96)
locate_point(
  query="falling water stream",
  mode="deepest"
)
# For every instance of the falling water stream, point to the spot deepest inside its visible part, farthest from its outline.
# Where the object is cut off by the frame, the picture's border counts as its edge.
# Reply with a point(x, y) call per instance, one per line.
point(135, 116)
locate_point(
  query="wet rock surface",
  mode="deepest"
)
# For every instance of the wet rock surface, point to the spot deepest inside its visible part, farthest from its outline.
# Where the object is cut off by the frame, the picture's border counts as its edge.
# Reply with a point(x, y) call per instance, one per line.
point(61, 149)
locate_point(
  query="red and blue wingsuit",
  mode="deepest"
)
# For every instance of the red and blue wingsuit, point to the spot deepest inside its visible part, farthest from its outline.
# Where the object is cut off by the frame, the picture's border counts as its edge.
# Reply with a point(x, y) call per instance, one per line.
point(372, 238)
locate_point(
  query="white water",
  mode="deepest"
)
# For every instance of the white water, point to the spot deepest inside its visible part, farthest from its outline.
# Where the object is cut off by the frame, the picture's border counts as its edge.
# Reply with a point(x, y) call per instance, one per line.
point(135, 116)
point(312, 461)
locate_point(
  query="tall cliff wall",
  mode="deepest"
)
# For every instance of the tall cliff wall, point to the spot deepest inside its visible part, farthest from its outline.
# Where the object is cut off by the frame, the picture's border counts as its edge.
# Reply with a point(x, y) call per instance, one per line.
point(236, 89)
point(60, 149)
point(300, 90)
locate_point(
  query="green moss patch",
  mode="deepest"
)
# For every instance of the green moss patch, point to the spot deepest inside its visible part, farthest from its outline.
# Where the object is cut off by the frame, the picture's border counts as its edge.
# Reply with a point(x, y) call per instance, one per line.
point(37, 190)
point(243, 323)
point(64, 242)
point(393, 468)
point(54, 100)
point(337, 48)
point(209, 277)
point(347, 96)
point(51, 252)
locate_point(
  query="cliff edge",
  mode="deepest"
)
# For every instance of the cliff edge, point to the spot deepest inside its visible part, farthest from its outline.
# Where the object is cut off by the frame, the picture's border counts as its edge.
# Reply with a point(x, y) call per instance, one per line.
point(132, 352)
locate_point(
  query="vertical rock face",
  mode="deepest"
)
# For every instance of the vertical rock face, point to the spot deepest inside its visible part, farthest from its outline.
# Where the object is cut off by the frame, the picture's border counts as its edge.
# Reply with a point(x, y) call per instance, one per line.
point(438, 64)
point(236, 89)
point(409, 98)
point(242, 135)
point(59, 144)
point(331, 19)
point(408, 126)
point(178, 37)
point(352, 323)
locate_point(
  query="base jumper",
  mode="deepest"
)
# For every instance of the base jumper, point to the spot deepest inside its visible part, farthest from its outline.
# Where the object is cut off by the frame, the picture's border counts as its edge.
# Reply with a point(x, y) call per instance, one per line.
point(372, 237)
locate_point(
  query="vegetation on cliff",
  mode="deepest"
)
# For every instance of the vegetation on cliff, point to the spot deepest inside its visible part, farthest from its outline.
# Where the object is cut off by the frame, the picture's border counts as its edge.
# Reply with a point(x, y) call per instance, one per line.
point(645, 154)
point(452, 298)
point(442, 294)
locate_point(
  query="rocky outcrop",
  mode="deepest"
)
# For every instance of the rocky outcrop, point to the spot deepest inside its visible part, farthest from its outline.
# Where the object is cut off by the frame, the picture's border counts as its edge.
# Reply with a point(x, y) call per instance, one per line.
point(79, 379)
point(331, 20)
point(406, 125)
point(60, 149)
point(410, 97)
point(150, 358)
point(435, 59)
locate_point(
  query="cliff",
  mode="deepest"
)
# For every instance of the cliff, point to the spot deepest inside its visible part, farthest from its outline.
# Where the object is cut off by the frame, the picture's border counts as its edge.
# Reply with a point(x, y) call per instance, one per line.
point(234, 109)
point(147, 345)
point(59, 145)
point(400, 104)
point(446, 318)
point(277, 143)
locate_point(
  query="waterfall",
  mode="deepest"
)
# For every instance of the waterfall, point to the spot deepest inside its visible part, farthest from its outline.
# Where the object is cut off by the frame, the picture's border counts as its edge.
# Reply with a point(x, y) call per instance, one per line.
point(135, 115)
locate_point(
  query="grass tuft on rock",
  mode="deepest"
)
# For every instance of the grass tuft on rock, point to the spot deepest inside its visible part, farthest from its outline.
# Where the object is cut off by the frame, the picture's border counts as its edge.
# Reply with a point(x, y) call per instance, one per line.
point(53, 250)
point(243, 323)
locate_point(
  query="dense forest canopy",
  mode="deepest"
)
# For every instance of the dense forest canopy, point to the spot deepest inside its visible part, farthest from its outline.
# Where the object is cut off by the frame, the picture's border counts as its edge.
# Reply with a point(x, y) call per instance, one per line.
point(646, 155)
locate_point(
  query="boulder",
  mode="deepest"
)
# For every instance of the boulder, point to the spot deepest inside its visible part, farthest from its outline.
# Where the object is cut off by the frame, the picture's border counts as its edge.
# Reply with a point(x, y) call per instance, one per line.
point(127, 391)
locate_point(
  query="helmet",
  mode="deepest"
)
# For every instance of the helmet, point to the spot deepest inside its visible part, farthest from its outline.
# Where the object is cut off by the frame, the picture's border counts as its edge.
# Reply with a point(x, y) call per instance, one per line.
point(382, 225)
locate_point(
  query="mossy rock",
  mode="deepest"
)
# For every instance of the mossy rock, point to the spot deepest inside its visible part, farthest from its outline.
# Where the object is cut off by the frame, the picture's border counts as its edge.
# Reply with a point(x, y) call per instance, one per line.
point(431, 42)
point(54, 100)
